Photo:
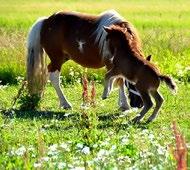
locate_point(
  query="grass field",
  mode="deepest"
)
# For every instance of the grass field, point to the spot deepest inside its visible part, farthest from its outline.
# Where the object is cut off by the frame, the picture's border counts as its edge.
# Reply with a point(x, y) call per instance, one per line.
point(51, 138)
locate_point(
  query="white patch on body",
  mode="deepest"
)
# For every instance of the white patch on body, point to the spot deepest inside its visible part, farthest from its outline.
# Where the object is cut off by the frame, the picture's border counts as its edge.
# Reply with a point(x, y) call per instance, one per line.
point(80, 45)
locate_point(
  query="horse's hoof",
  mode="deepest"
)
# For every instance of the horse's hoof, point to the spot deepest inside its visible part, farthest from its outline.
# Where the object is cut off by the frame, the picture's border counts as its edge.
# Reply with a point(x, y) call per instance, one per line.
point(123, 109)
point(148, 121)
point(104, 97)
point(67, 107)
point(136, 120)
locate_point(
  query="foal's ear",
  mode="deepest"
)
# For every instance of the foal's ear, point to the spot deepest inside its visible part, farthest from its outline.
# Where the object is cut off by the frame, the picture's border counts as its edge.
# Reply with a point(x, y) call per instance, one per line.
point(148, 58)
point(107, 29)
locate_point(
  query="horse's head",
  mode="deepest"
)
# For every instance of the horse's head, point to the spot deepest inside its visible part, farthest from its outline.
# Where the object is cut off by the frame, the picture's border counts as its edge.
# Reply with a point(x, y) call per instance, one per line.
point(134, 96)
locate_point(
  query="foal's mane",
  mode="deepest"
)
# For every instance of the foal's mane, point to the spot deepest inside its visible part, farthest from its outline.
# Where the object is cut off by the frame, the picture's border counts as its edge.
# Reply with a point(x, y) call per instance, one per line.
point(129, 37)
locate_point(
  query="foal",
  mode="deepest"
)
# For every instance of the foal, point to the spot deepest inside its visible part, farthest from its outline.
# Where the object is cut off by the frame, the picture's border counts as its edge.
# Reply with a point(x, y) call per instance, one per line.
point(128, 62)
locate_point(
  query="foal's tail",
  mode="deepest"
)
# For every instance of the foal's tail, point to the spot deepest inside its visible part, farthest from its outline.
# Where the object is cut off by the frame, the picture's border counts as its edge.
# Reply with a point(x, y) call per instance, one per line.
point(170, 83)
point(36, 65)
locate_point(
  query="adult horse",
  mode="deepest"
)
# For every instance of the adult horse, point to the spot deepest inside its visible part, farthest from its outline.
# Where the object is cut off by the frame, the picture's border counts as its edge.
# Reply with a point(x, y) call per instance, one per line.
point(70, 36)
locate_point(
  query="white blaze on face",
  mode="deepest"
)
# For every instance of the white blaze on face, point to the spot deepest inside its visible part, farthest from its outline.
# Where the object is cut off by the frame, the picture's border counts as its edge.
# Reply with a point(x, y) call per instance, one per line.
point(81, 45)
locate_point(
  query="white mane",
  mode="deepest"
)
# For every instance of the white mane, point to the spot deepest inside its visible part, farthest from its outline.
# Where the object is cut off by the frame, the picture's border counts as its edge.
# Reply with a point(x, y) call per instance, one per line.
point(107, 18)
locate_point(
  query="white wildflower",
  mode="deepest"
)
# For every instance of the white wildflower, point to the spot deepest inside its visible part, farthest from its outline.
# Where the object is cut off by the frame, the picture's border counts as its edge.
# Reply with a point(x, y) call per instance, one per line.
point(20, 151)
point(53, 150)
point(54, 121)
point(45, 159)
point(55, 156)
point(151, 137)
point(67, 114)
point(53, 147)
point(61, 165)
point(71, 73)
point(65, 146)
point(105, 143)
point(144, 132)
point(78, 168)
point(79, 145)
point(86, 150)
point(124, 140)
point(12, 152)
point(102, 153)
point(31, 148)
point(95, 145)
point(154, 168)
point(37, 165)
point(113, 147)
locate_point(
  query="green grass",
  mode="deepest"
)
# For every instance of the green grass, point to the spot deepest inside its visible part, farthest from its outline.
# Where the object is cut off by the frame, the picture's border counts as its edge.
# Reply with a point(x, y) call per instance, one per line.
point(58, 139)
point(163, 27)
point(108, 128)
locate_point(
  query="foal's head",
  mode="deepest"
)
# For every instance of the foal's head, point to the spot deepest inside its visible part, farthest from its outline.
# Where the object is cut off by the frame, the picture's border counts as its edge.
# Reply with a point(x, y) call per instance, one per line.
point(124, 37)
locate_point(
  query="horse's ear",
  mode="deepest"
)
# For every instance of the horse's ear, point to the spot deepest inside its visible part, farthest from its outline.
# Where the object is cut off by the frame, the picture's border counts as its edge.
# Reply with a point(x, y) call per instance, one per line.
point(107, 29)
point(148, 58)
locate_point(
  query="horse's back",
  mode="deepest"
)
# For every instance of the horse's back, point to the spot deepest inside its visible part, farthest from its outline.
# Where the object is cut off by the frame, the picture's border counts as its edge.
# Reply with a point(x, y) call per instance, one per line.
point(72, 34)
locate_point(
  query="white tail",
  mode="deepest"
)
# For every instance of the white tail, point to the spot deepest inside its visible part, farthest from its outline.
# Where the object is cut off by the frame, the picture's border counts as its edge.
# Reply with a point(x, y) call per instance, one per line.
point(36, 65)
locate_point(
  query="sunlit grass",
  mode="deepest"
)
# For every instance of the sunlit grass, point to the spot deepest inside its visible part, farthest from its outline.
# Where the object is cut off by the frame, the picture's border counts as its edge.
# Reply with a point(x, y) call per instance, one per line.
point(62, 137)
point(28, 139)
point(163, 28)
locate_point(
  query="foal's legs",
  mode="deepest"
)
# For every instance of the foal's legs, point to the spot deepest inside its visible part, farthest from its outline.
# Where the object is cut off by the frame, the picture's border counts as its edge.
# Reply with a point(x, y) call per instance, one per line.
point(114, 72)
point(147, 105)
point(159, 100)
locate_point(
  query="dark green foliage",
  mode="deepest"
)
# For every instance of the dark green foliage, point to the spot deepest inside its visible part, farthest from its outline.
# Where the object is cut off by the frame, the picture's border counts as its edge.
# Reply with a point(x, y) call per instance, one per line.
point(28, 102)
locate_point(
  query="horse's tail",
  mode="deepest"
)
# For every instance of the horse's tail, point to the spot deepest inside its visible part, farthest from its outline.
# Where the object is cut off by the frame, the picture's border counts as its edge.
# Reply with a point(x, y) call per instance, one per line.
point(36, 64)
point(170, 83)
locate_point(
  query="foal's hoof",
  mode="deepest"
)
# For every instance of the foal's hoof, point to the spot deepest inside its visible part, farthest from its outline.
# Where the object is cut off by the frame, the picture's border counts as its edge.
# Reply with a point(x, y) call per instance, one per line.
point(136, 120)
point(67, 107)
point(104, 97)
point(148, 121)
point(123, 109)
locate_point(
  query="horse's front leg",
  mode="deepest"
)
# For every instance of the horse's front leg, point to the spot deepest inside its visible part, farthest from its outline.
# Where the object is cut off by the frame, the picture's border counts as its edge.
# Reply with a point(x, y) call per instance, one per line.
point(109, 78)
point(122, 101)
point(55, 80)
point(107, 86)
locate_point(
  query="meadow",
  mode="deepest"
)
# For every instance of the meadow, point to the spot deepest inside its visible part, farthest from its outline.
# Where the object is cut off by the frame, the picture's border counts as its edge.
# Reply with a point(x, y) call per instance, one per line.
point(98, 137)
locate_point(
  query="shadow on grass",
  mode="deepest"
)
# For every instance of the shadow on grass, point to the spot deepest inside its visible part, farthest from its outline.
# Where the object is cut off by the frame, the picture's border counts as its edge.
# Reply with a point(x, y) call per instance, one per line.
point(59, 115)
point(107, 120)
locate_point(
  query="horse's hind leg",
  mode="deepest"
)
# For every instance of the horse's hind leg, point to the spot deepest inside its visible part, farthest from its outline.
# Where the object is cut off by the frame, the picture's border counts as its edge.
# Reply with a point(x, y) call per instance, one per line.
point(54, 75)
point(159, 100)
point(147, 105)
